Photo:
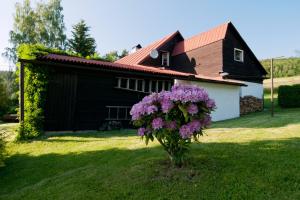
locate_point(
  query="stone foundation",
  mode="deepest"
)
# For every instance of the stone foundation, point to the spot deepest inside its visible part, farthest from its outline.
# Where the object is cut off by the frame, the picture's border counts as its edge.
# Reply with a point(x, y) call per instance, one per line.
point(250, 104)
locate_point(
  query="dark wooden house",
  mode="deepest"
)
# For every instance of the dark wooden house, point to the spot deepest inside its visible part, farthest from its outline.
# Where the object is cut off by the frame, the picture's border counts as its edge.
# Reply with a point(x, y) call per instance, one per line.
point(83, 94)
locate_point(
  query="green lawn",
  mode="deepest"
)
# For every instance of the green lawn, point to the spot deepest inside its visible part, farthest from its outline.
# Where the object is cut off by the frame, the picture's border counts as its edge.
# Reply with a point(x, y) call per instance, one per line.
point(253, 157)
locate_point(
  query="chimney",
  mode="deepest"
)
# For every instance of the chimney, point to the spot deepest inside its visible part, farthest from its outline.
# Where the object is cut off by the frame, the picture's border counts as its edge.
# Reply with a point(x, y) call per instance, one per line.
point(135, 48)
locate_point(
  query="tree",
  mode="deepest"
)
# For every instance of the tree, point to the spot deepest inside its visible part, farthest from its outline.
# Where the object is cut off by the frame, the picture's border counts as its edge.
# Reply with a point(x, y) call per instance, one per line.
point(124, 53)
point(44, 25)
point(111, 56)
point(81, 42)
point(114, 55)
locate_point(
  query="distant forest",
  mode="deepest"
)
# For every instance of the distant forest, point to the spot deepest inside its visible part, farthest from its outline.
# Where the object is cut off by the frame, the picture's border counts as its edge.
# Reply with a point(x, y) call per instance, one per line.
point(283, 67)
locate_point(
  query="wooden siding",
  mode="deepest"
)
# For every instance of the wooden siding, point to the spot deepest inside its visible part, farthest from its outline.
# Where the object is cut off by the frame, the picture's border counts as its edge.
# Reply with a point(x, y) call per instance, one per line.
point(249, 70)
point(205, 60)
point(78, 99)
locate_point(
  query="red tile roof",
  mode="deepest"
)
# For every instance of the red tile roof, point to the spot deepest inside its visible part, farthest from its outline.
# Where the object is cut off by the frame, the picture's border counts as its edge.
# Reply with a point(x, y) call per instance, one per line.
point(141, 54)
point(139, 68)
point(105, 65)
point(200, 40)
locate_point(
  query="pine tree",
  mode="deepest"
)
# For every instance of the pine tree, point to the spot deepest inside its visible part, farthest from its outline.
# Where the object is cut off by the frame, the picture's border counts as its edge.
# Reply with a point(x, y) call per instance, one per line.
point(81, 42)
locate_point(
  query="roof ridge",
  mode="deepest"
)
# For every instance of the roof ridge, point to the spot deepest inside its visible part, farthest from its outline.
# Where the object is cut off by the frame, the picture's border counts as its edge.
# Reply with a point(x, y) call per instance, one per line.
point(143, 53)
point(201, 39)
point(211, 29)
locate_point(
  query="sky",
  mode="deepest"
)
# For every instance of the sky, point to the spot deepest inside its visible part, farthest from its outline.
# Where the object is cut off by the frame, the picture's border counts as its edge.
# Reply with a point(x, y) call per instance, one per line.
point(270, 27)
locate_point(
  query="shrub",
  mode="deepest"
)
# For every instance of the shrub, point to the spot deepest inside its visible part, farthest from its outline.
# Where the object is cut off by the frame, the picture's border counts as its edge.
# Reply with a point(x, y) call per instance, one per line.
point(174, 118)
point(35, 83)
point(289, 96)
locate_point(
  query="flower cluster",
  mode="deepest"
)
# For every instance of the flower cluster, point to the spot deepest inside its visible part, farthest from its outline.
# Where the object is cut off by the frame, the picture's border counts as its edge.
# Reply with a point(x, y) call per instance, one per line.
point(159, 111)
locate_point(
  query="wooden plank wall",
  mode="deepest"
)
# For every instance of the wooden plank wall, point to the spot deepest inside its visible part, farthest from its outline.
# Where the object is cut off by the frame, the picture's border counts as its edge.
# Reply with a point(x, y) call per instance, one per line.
point(77, 99)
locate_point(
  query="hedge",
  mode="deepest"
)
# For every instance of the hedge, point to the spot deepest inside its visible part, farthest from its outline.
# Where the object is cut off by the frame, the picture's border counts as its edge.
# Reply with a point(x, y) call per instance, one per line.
point(289, 96)
point(35, 89)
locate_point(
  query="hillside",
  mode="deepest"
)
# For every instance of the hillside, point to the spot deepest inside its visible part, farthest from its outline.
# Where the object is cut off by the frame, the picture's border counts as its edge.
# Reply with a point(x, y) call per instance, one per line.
point(285, 67)
point(282, 81)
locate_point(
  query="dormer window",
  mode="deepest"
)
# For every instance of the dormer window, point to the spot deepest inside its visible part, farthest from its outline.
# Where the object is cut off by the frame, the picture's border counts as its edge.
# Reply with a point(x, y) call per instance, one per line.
point(238, 55)
point(165, 58)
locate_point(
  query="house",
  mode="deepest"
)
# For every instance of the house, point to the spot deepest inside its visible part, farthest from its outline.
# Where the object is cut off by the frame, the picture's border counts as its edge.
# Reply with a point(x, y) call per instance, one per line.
point(83, 94)
point(219, 52)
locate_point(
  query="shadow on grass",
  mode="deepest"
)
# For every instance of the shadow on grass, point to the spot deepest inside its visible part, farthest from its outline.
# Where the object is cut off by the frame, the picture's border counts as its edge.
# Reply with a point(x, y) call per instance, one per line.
point(89, 134)
point(255, 170)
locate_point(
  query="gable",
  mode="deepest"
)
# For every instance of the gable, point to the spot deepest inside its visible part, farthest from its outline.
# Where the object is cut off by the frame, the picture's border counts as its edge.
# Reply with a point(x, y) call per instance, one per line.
point(250, 68)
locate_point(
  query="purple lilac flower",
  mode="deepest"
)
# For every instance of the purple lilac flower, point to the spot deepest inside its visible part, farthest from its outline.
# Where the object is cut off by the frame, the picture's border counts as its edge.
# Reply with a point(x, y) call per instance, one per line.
point(192, 109)
point(166, 105)
point(188, 93)
point(141, 131)
point(151, 109)
point(210, 104)
point(185, 131)
point(171, 125)
point(144, 107)
point(206, 121)
point(195, 125)
point(157, 123)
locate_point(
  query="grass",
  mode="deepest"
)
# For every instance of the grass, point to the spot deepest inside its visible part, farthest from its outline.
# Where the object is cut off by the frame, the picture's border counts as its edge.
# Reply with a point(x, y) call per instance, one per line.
point(252, 157)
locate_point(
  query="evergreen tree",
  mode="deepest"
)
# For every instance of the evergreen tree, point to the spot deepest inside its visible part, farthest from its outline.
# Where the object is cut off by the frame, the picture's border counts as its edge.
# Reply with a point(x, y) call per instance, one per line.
point(81, 42)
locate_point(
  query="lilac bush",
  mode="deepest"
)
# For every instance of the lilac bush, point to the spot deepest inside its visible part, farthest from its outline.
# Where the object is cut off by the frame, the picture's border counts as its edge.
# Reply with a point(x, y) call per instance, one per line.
point(174, 118)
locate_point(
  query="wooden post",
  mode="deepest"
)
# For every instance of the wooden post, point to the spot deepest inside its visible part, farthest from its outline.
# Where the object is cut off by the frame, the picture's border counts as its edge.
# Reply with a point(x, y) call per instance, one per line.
point(272, 88)
point(21, 90)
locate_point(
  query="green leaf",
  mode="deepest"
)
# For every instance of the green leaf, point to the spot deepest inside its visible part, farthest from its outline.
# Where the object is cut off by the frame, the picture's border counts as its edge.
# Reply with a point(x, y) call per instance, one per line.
point(184, 112)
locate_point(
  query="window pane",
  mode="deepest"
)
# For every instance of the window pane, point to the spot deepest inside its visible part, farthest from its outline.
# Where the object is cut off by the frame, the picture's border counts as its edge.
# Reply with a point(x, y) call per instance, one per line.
point(165, 59)
point(132, 84)
point(123, 83)
point(169, 85)
point(113, 113)
point(153, 86)
point(238, 55)
point(160, 86)
point(147, 86)
point(140, 85)
point(122, 113)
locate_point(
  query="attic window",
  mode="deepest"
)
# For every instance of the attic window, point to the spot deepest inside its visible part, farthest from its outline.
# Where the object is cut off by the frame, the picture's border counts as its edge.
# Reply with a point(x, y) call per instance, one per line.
point(165, 59)
point(238, 55)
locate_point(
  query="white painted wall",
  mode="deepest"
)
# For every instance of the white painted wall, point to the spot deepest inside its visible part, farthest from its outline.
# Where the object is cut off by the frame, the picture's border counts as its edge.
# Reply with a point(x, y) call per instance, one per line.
point(253, 89)
point(227, 98)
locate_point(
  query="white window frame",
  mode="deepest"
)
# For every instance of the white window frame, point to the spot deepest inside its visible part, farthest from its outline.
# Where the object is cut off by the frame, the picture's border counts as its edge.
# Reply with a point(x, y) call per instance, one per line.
point(242, 55)
point(165, 55)
point(166, 85)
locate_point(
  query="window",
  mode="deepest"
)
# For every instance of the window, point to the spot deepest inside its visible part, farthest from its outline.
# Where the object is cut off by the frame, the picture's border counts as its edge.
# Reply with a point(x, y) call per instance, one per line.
point(118, 112)
point(238, 55)
point(165, 58)
point(143, 85)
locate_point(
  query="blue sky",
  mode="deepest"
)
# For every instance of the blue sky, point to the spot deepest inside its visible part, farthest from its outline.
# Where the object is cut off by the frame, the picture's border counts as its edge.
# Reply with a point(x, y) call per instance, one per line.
point(271, 28)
